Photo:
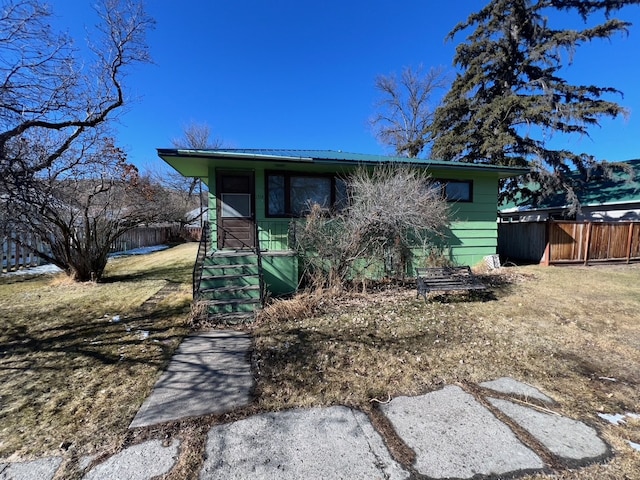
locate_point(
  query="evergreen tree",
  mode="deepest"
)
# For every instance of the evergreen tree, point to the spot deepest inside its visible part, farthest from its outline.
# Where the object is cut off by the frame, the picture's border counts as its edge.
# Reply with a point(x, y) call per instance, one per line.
point(509, 96)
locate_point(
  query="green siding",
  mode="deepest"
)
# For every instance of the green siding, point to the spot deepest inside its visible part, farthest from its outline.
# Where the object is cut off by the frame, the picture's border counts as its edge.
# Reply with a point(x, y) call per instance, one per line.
point(474, 231)
point(274, 234)
point(280, 272)
point(472, 234)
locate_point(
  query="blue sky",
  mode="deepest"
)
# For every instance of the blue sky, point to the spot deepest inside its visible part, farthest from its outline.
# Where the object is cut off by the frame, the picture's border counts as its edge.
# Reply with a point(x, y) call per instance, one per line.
point(300, 74)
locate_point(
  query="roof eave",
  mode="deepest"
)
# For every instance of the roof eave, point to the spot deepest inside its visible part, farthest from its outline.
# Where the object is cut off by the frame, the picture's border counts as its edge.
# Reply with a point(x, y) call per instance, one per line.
point(502, 172)
point(175, 152)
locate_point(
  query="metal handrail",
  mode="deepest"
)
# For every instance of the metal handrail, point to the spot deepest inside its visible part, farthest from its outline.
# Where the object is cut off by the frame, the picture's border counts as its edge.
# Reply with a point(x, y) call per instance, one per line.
point(198, 267)
point(258, 251)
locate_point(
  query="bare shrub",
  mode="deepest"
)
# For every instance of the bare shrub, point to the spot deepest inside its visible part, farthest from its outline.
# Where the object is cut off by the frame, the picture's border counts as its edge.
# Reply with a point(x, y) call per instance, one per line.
point(199, 315)
point(392, 210)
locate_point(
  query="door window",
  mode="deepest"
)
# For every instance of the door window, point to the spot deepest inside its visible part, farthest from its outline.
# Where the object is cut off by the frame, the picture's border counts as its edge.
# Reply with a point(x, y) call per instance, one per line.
point(236, 205)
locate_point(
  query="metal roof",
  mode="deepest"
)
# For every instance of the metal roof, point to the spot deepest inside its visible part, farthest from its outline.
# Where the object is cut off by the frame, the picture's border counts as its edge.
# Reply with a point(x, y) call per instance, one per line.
point(332, 157)
point(598, 190)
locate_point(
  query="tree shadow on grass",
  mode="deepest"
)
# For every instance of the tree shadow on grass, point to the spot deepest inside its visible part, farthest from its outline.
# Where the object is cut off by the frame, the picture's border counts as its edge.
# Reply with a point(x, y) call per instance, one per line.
point(102, 340)
point(173, 274)
point(358, 364)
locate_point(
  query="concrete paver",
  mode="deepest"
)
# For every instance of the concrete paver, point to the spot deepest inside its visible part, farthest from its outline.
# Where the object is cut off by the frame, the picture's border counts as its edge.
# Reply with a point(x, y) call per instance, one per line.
point(452, 434)
point(511, 386)
point(209, 373)
point(139, 462)
point(455, 436)
point(564, 437)
point(319, 443)
point(41, 469)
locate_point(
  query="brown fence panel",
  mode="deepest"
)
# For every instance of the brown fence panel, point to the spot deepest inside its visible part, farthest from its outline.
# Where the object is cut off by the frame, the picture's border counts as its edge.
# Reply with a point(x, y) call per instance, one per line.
point(612, 241)
point(599, 242)
point(192, 234)
point(15, 256)
point(567, 241)
point(634, 248)
point(570, 241)
point(619, 241)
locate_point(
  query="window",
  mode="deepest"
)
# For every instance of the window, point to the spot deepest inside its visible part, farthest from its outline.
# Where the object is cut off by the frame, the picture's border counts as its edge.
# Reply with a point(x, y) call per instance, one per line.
point(236, 205)
point(306, 191)
point(291, 194)
point(456, 190)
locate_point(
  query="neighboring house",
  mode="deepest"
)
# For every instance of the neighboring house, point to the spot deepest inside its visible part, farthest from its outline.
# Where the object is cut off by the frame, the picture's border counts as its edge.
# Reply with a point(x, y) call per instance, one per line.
point(195, 217)
point(601, 200)
point(254, 194)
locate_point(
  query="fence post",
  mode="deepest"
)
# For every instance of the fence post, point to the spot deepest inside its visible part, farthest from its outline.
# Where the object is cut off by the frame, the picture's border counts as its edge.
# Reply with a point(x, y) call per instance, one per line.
point(546, 256)
point(629, 240)
point(587, 244)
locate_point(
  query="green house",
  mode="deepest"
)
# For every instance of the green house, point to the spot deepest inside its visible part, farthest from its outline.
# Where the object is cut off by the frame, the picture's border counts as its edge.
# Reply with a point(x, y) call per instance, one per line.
point(255, 194)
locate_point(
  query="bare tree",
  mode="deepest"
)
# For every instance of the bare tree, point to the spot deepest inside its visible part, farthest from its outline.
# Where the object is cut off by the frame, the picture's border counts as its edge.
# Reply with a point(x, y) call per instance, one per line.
point(80, 207)
point(405, 111)
point(391, 211)
point(195, 136)
point(61, 176)
point(48, 93)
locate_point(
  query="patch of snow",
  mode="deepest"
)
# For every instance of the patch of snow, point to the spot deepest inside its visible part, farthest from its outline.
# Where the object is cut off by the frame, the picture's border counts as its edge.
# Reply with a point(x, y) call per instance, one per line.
point(617, 418)
point(634, 445)
point(139, 251)
point(41, 270)
point(52, 269)
point(115, 319)
point(614, 419)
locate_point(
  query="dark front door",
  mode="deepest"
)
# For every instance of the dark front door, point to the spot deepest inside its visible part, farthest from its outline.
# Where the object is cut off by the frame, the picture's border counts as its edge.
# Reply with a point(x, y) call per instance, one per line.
point(235, 210)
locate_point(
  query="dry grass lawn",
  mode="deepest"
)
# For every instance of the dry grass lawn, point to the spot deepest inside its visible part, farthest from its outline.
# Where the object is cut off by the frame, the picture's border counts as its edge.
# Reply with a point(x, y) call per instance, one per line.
point(573, 332)
point(70, 374)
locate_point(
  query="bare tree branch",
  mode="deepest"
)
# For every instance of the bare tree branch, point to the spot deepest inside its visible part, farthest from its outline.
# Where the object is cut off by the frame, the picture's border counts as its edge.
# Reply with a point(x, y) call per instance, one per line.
point(61, 176)
point(44, 87)
point(405, 111)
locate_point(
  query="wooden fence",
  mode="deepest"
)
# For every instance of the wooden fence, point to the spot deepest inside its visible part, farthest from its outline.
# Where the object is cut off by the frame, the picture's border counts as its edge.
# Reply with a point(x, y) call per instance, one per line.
point(557, 242)
point(145, 237)
point(15, 256)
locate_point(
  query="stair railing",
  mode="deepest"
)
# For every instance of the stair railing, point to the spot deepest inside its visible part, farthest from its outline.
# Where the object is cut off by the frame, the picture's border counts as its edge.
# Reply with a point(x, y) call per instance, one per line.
point(198, 267)
point(258, 251)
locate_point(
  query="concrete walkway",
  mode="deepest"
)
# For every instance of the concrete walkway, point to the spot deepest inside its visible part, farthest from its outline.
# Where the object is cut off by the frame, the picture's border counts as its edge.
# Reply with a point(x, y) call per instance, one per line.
point(499, 428)
point(209, 373)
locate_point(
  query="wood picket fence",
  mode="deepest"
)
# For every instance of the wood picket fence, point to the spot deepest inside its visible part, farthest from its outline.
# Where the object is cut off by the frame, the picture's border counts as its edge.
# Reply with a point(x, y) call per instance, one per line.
point(16, 256)
point(557, 242)
point(21, 254)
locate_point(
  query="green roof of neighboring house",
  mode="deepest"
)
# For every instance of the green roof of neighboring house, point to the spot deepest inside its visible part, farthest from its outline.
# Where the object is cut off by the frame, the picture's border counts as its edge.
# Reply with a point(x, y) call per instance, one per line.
point(329, 157)
point(621, 189)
